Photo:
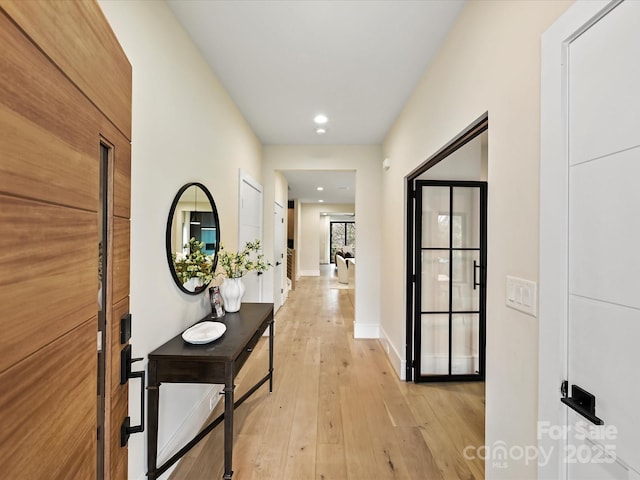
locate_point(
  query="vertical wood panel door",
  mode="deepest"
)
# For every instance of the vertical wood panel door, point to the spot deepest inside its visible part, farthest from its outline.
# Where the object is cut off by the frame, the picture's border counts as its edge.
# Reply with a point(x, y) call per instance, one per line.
point(66, 90)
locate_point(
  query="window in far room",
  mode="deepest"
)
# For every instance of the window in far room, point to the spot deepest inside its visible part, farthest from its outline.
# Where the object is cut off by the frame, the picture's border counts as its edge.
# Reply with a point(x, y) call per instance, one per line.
point(343, 238)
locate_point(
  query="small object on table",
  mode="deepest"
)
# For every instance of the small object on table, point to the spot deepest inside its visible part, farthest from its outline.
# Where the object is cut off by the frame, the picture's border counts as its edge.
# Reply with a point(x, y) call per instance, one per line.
point(204, 332)
point(216, 302)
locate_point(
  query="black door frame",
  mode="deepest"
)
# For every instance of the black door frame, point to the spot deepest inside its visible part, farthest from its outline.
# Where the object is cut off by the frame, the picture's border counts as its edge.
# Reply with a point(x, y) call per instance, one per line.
point(482, 277)
point(475, 129)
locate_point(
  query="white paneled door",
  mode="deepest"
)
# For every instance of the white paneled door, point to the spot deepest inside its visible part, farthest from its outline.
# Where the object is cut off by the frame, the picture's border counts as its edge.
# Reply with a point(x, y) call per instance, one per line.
point(602, 297)
point(278, 260)
point(250, 229)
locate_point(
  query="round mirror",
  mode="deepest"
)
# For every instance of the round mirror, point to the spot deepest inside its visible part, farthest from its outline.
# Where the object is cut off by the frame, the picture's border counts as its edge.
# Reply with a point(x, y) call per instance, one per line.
point(193, 238)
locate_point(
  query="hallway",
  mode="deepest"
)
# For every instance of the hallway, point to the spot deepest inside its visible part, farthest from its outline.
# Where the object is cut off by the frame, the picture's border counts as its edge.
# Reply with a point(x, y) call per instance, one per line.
point(338, 411)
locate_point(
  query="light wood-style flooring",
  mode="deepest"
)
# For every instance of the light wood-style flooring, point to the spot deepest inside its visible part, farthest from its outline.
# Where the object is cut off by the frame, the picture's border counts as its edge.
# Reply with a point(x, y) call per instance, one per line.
point(338, 410)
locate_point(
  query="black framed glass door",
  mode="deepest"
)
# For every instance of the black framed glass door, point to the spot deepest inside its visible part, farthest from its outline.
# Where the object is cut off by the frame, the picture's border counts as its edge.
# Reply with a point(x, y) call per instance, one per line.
point(450, 295)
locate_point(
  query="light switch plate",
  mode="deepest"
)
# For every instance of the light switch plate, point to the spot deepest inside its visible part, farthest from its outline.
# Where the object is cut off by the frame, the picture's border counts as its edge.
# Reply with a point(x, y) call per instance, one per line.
point(522, 295)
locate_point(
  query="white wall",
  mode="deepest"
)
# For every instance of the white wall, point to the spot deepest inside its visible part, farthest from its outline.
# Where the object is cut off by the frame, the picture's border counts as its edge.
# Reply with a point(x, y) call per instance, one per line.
point(185, 128)
point(324, 239)
point(490, 61)
point(466, 163)
point(366, 160)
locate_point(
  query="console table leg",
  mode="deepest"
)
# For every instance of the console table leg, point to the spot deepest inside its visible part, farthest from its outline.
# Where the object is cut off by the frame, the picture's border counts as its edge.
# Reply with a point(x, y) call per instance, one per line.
point(271, 327)
point(228, 422)
point(153, 398)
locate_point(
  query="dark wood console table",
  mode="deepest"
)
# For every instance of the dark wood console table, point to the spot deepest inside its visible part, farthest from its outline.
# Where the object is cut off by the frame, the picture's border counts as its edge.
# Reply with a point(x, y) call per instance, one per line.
point(217, 362)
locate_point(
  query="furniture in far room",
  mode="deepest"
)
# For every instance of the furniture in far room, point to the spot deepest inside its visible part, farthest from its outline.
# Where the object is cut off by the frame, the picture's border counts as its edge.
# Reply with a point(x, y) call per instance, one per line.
point(351, 271)
point(343, 274)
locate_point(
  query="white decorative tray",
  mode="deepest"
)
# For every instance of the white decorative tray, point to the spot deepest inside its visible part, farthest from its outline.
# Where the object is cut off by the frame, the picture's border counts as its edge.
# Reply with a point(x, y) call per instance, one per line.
point(204, 332)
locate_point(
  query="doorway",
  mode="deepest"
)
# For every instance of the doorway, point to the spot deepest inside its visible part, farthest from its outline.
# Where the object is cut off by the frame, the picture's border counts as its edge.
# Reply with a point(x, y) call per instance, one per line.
point(447, 261)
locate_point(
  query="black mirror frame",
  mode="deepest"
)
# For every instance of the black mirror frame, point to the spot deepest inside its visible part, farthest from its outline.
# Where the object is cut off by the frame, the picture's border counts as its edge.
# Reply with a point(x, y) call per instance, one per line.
point(168, 247)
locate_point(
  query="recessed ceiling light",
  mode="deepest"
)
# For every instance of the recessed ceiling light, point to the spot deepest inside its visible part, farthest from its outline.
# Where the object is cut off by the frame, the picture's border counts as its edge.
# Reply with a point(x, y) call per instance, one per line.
point(321, 201)
point(320, 119)
point(321, 130)
point(320, 189)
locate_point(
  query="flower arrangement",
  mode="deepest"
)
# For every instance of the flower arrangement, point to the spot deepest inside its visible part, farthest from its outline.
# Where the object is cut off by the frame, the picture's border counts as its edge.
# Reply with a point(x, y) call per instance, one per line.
point(236, 265)
point(195, 264)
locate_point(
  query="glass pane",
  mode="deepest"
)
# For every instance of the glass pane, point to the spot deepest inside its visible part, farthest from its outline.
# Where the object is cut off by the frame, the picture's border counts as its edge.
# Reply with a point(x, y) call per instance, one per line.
point(337, 234)
point(464, 297)
point(337, 239)
point(434, 346)
point(466, 217)
point(351, 234)
point(465, 343)
point(435, 217)
point(435, 281)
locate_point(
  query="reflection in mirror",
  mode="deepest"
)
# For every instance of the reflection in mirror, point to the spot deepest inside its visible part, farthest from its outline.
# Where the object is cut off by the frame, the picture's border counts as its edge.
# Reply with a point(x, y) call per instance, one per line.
point(193, 238)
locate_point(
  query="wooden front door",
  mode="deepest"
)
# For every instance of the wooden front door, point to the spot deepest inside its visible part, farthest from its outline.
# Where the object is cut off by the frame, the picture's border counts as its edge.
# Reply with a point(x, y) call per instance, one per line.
point(65, 95)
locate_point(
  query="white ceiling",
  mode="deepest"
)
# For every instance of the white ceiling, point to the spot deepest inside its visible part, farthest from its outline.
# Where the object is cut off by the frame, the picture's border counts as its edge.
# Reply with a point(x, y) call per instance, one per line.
point(283, 62)
point(339, 186)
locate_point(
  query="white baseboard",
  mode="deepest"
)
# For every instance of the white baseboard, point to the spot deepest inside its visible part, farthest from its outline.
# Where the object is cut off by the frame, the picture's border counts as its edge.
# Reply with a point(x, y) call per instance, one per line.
point(366, 330)
point(398, 363)
point(309, 273)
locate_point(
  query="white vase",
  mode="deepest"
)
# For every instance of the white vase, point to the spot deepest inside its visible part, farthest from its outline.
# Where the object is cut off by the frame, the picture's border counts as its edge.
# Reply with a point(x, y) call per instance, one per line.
point(232, 290)
point(193, 283)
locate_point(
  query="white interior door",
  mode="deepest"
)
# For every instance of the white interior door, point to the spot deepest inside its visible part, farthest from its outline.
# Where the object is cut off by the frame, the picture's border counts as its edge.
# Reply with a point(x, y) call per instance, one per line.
point(250, 226)
point(603, 324)
point(278, 260)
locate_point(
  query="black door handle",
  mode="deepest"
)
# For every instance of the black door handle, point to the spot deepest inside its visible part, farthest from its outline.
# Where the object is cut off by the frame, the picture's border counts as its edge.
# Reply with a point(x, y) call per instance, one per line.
point(125, 374)
point(584, 403)
point(476, 265)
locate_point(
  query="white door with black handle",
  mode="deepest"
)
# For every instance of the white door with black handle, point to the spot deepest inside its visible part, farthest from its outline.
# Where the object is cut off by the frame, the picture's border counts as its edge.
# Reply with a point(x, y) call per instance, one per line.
point(599, 436)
